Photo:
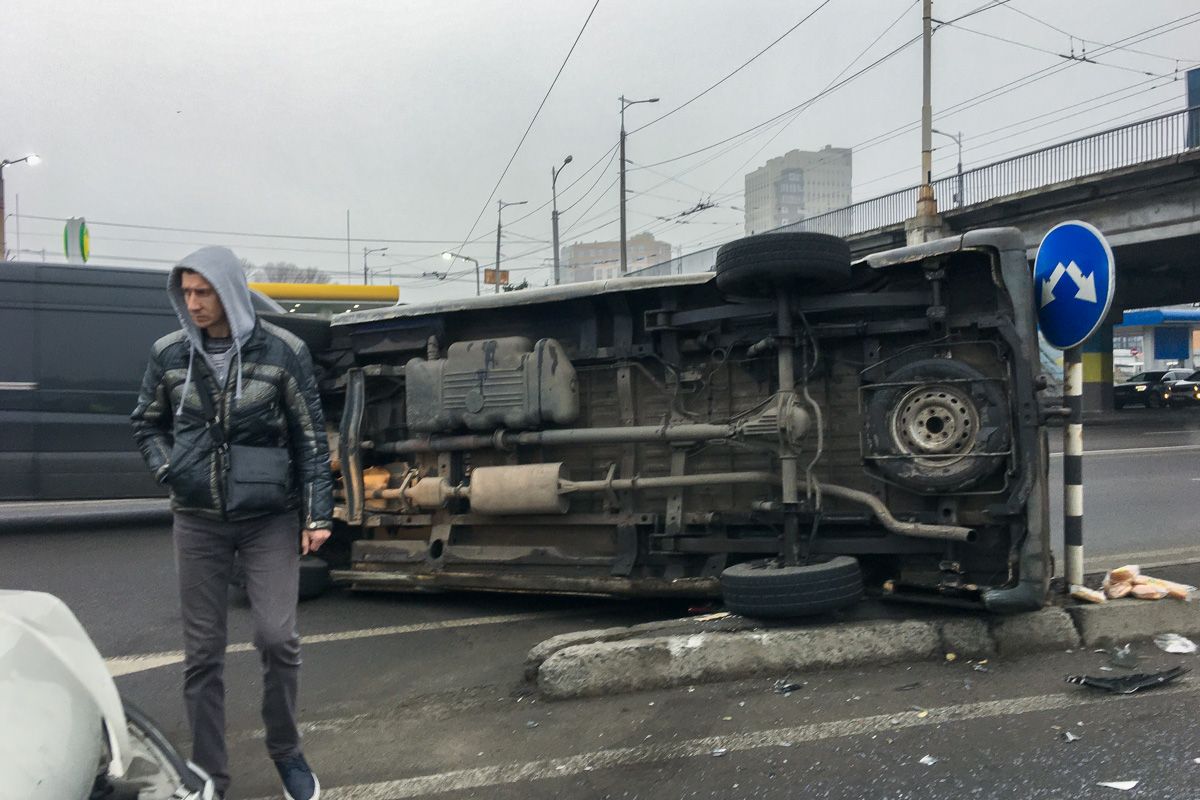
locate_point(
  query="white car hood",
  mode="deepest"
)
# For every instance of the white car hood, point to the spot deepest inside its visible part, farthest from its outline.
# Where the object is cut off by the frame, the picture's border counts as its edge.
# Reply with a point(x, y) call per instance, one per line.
point(49, 669)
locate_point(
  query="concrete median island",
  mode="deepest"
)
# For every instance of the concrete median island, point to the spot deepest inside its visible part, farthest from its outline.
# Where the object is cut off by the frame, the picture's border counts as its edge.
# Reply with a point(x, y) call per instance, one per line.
point(718, 647)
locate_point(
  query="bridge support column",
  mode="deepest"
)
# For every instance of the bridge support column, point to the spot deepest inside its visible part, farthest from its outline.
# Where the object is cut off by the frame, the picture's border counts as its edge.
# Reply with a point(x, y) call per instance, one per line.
point(1098, 369)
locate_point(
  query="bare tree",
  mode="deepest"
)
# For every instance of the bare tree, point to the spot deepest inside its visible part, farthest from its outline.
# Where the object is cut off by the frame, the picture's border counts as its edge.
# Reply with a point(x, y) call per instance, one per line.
point(284, 272)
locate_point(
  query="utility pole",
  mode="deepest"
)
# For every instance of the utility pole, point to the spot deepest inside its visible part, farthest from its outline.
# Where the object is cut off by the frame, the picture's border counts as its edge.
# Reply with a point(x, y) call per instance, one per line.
point(500, 206)
point(554, 213)
point(366, 252)
point(926, 225)
point(624, 105)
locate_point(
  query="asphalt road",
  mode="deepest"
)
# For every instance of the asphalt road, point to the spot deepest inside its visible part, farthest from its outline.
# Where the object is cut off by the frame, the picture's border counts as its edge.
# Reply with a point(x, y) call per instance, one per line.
point(1140, 475)
point(415, 696)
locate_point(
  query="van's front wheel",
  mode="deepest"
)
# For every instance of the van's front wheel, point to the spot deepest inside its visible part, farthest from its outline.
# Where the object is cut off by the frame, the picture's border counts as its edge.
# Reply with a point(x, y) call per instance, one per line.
point(767, 588)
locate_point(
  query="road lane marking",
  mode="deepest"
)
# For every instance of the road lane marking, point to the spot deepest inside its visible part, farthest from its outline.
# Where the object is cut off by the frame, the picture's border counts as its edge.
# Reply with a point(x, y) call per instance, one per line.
point(542, 769)
point(126, 665)
point(1137, 450)
point(1146, 559)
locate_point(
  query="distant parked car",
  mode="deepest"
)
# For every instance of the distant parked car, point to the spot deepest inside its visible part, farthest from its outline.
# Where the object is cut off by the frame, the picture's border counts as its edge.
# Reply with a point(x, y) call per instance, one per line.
point(1185, 392)
point(1150, 389)
point(67, 734)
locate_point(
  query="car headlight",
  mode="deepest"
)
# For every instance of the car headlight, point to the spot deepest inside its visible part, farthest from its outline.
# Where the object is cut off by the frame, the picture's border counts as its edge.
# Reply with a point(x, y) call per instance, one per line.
point(1139, 388)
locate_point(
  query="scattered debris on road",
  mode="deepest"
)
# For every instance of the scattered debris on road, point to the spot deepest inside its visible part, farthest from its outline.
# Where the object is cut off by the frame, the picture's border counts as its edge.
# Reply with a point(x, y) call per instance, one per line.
point(1124, 786)
point(785, 686)
point(909, 687)
point(717, 752)
point(1174, 643)
point(929, 761)
point(1124, 657)
point(1067, 736)
point(1128, 684)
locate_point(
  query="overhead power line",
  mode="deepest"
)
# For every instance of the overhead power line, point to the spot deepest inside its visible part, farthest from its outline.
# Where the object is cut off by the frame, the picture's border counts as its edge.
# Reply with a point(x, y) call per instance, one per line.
point(1057, 29)
point(529, 127)
point(744, 64)
point(1070, 57)
point(783, 114)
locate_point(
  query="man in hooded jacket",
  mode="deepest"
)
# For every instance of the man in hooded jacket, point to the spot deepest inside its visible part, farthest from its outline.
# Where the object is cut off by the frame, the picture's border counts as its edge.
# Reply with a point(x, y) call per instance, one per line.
point(261, 392)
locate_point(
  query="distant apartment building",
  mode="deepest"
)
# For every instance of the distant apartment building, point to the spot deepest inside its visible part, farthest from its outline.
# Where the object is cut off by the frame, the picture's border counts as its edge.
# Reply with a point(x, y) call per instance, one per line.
point(797, 185)
point(594, 261)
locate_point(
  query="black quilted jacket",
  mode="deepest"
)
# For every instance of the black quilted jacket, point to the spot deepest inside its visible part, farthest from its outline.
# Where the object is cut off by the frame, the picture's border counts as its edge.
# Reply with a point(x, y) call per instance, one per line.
point(279, 407)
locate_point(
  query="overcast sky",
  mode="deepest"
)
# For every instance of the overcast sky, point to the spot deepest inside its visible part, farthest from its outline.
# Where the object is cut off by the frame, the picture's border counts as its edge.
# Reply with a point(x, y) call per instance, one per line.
point(277, 118)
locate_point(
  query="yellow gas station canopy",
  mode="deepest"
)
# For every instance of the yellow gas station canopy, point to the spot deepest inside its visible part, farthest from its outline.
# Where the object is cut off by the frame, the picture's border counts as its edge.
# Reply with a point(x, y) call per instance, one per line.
point(328, 292)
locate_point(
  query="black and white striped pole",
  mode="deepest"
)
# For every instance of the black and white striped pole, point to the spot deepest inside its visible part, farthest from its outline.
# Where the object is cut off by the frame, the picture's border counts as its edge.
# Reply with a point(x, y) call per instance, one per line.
point(1073, 466)
point(1074, 277)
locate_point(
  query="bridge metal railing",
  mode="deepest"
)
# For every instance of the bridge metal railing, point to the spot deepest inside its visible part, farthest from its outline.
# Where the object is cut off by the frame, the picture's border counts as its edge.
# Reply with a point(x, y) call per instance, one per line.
point(1125, 146)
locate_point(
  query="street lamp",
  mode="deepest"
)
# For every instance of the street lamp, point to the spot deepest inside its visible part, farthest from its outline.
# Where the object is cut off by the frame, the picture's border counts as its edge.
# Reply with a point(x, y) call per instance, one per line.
point(624, 105)
point(32, 159)
point(554, 214)
point(500, 206)
point(451, 256)
point(366, 252)
point(958, 198)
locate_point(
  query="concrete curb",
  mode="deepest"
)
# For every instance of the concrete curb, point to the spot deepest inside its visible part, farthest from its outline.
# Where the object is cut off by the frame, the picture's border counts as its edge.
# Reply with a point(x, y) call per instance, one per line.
point(726, 647)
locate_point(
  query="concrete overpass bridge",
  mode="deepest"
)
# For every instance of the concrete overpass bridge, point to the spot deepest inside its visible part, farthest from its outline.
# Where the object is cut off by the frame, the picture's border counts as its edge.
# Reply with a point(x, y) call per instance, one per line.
point(1138, 183)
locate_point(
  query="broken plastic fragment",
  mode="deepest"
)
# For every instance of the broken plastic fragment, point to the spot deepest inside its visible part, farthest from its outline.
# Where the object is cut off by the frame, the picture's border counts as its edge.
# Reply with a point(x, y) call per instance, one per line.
point(531, 724)
point(1124, 786)
point(1124, 657)
point(1174, 643)
point(1070, 737)
point(980, 667)
point(717, 752)
point(929, 761)
point(1128, 684)
point(786, 686)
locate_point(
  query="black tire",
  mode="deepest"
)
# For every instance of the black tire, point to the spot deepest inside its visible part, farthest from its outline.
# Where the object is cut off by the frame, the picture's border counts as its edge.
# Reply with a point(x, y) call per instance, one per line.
point(971, 418)
point(769, 589)
point(761, 265)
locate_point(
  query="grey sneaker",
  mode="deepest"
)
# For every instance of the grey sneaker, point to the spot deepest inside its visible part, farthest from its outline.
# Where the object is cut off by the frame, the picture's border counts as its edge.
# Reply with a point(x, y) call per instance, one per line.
point(299, 783)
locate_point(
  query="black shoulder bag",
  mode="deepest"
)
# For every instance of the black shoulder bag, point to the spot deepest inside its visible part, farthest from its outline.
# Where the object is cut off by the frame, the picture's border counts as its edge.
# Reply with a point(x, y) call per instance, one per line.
point(255, 478)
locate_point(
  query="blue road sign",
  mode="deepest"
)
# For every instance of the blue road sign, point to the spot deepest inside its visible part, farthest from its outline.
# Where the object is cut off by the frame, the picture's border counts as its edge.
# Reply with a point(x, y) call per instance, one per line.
point(1073, 280)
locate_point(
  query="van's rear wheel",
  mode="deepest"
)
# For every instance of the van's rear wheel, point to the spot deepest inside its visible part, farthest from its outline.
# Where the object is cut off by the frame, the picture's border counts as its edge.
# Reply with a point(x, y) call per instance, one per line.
point(761, 265)
point(767, 588)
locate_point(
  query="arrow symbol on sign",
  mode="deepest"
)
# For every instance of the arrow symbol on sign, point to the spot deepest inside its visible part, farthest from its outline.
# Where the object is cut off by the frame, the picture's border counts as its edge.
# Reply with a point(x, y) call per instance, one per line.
point(1048, 284)
point(1085, 286)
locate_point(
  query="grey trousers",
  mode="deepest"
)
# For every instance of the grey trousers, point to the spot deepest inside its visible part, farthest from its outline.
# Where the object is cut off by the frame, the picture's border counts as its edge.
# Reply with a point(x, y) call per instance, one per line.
point(269, 551)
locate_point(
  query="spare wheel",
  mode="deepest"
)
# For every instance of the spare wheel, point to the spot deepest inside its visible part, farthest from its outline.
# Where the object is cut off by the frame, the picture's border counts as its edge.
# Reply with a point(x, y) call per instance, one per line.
point(938, 426)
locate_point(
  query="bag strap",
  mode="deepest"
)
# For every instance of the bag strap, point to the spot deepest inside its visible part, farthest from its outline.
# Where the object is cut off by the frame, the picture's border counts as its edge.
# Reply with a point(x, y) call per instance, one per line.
point(211, 423)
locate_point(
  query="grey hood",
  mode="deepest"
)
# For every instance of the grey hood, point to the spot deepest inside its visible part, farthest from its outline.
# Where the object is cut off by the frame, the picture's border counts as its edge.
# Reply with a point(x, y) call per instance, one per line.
point(221, 268)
